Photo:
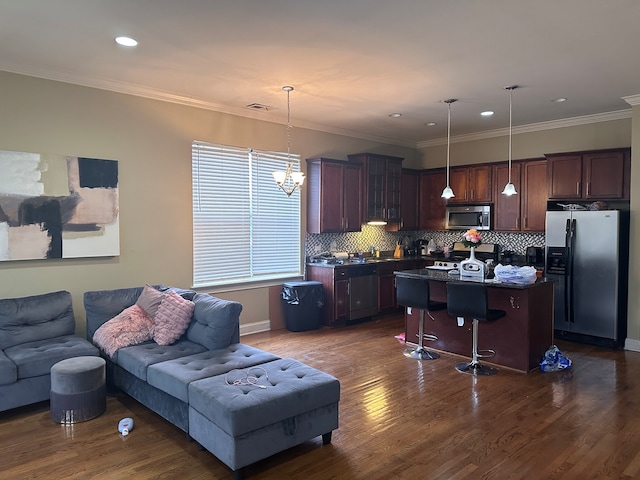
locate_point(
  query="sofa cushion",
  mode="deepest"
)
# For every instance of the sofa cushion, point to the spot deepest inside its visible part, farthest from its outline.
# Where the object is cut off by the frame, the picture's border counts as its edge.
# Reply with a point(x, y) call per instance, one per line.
point(184, 293)
point(8, 370)
point(137, 358)
point(215, 322)
point(130, 327)
point(36, 358)
point(149, 300)
point(172, 318)
point(102, 305)
point(290, 388)
point(38, 317)
point(174, 376)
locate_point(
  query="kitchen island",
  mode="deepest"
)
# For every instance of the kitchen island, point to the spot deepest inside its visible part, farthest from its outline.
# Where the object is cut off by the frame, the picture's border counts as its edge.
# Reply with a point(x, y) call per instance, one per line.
point(519, 339)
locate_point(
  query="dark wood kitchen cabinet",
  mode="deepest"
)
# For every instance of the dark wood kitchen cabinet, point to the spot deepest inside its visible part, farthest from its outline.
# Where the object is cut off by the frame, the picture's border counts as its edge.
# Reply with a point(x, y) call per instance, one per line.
point(387, 282)
point(409, 199)
point(589, 175)
point(335, 282)
point(526, 210)
point(334, 196)
point(432, 206)
point(382, 176)
point(534, 196)
point(471, 184)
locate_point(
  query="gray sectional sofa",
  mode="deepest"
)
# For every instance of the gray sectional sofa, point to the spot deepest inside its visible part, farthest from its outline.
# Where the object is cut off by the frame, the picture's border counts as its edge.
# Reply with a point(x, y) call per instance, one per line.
point(35, 333)
point(193, 382)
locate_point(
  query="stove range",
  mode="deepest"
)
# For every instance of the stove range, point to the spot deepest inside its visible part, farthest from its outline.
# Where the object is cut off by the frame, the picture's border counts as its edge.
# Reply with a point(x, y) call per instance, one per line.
point(444, 266)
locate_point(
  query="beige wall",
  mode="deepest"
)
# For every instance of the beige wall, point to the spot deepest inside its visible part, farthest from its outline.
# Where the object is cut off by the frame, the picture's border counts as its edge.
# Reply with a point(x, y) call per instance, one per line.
point(611, 134)
point(152, 142)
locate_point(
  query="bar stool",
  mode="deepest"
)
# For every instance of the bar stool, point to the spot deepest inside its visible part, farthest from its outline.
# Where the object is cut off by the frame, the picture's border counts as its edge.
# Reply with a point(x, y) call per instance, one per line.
point(414, 293)
point(468, 299)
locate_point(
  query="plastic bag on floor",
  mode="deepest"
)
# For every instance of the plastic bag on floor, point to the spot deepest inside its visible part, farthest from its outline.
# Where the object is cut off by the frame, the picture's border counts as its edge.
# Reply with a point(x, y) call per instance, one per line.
point(554, 360)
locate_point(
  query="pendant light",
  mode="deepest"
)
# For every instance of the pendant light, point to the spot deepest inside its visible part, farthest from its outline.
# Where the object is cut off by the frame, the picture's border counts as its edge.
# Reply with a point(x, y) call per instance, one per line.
point(288, 180)
point(448, 192)
point(509, 188)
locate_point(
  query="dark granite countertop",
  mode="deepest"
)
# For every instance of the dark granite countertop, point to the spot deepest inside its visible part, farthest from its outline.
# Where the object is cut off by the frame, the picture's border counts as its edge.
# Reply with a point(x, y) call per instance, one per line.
point(445, 276)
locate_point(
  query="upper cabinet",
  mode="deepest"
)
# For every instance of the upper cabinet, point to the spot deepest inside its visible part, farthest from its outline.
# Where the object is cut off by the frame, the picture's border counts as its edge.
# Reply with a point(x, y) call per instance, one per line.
point(382, 176)
point(334, 196)
point(432, 205)
point(471, 184)
point(534, 195)
point(526, 210)
point(506, 213)
point(409, 219)
point(594, 175)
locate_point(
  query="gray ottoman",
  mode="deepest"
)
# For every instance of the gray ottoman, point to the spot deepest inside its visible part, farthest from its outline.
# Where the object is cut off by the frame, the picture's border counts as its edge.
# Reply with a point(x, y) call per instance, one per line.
point(241, 424)
point(78, 389)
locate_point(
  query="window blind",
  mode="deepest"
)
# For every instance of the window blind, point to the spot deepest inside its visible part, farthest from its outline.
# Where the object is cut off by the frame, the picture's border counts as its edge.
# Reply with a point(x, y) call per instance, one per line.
point(245, 228)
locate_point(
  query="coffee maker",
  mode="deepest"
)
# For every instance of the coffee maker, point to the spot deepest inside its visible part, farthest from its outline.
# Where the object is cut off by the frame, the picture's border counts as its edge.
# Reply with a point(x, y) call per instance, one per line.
point(535, 256)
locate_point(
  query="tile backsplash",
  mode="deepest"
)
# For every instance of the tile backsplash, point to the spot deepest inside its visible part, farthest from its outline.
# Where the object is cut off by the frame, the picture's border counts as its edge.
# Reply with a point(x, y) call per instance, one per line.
point(375, 235)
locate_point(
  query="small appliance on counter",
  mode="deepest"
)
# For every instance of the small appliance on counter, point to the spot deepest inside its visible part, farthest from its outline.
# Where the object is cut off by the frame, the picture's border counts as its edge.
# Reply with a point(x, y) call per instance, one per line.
point(535, 256)
point(508, 257)
point(472, 269)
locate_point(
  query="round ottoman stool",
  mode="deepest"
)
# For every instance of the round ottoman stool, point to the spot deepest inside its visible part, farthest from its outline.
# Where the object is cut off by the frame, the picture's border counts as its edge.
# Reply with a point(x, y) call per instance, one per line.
point(78, 390)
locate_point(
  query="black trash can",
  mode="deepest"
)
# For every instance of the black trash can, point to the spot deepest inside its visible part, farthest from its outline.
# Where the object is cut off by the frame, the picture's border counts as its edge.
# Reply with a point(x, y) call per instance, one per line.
point(302, 304)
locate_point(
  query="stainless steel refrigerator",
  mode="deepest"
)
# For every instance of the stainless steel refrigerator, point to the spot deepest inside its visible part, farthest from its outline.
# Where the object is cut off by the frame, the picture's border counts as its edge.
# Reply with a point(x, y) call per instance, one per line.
point(587, 256)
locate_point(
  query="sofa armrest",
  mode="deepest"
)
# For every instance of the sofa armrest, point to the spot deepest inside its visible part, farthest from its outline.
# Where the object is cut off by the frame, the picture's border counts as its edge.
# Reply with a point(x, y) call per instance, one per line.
point(38, 317)
point(215, 323)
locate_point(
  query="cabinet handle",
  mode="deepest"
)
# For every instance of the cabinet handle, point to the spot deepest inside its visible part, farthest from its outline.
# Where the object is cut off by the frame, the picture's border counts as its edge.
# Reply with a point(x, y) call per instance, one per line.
point(526, 222)
point(588, 188)
point(517, 222)
point(577, 188)
point(473, 194)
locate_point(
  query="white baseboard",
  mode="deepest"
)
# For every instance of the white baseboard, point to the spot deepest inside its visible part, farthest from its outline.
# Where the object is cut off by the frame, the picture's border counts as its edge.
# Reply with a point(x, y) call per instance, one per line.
point(631, 344)
point(255, 327)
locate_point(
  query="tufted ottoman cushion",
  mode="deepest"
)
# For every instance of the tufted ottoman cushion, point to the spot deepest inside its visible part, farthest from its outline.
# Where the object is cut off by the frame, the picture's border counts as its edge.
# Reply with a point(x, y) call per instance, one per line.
point(174, 376)
point(78, 389)
point(241, 424)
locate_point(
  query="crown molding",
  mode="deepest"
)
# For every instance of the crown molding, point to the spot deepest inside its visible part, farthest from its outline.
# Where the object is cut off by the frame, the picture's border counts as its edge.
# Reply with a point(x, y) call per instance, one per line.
point(533, 127)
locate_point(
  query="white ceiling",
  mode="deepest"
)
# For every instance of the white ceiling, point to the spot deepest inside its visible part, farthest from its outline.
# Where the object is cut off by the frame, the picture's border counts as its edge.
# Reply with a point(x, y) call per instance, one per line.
point(352, 62)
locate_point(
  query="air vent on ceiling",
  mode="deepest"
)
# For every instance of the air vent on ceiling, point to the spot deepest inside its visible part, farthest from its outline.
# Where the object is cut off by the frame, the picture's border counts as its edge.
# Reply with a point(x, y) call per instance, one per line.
point(258, 106)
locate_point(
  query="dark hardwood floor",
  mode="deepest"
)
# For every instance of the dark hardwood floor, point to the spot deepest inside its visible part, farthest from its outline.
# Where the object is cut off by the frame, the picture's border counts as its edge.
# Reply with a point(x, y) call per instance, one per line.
point(399, 418)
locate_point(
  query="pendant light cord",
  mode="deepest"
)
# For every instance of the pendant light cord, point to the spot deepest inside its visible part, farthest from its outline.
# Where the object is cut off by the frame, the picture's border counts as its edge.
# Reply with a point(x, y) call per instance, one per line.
point(510, 128)
point(448, 137)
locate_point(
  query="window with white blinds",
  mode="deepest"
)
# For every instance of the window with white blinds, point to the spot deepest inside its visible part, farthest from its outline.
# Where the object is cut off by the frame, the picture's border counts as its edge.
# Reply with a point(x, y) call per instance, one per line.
point(245, 228)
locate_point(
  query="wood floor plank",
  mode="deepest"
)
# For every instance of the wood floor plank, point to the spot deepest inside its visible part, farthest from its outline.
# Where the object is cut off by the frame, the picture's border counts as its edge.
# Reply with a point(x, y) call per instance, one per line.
point(399, 418)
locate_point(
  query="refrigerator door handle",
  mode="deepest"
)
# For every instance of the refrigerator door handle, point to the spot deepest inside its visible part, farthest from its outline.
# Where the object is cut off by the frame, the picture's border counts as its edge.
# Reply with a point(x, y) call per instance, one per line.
point(572, 244)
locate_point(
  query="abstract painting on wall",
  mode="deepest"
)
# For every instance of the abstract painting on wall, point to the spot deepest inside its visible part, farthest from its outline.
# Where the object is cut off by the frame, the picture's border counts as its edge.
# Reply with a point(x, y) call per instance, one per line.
point(56, 206)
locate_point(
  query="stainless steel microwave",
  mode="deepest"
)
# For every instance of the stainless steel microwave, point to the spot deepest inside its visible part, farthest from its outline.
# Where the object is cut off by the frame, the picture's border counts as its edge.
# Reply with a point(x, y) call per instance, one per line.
point(464, 217)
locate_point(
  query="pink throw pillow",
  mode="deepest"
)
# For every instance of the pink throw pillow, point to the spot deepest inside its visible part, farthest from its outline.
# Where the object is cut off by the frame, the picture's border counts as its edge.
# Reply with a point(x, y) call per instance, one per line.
point(130, 327)
point(172, 318)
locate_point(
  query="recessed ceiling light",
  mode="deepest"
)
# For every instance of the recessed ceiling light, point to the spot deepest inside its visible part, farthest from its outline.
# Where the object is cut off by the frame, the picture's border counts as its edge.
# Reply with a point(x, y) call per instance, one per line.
point(395, 115)
point(487, 113)
point(559, 100)
point(126, 41)
point(431, 124)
